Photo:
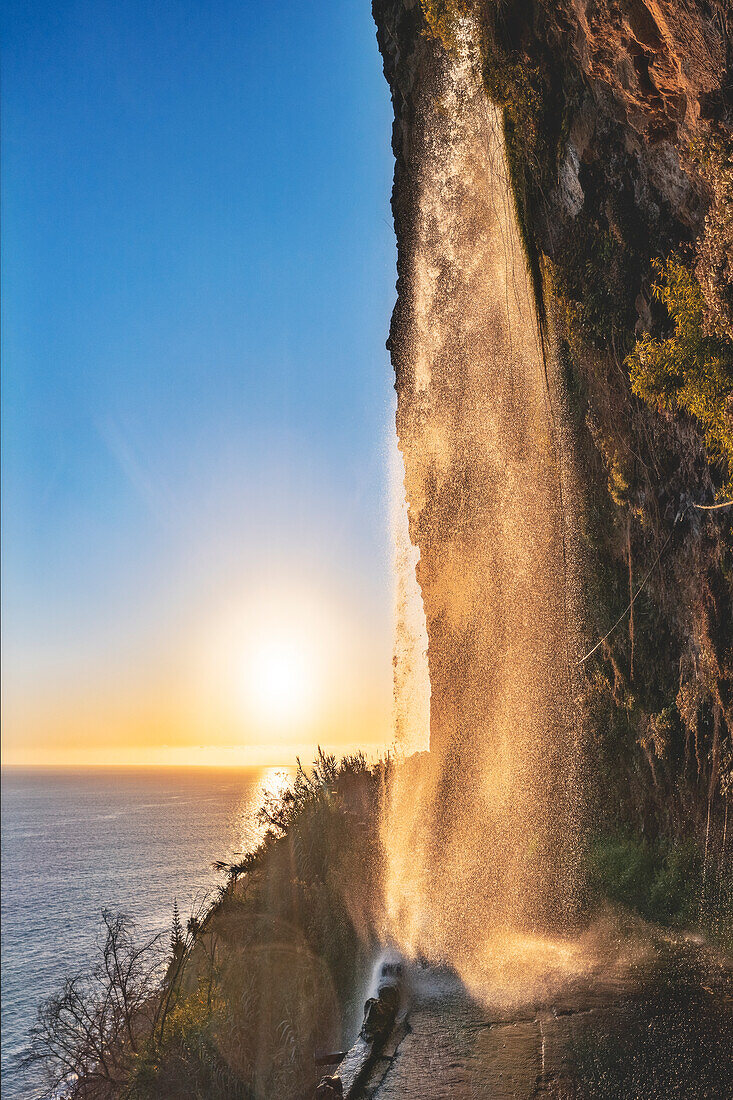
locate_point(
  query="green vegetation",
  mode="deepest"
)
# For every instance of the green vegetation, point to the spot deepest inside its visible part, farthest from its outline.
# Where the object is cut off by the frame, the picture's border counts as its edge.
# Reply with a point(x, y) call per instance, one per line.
point(659, 880)
point(692, 368)
point(669, 883)
point(441, 17)
point(256, 981)
point(595, 279)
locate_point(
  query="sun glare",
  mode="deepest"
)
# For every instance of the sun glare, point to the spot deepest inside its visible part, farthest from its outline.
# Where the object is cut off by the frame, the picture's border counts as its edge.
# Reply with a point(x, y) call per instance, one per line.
point(279, 681)
point(284, 669)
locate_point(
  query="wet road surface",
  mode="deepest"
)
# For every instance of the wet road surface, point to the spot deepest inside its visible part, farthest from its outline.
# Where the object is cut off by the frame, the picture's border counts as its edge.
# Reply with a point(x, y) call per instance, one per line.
point(663, 1029)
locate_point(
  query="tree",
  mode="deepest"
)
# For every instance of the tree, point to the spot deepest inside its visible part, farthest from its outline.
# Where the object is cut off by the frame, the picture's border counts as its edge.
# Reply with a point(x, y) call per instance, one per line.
point(87, 1037)
point(177, 937)
point(692, 368)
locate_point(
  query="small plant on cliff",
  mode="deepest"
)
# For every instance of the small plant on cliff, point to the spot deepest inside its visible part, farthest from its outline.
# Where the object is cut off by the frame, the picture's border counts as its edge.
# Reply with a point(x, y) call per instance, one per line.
point(177, 937)
point(441, 17)
point(660, 880)
point(692, 368)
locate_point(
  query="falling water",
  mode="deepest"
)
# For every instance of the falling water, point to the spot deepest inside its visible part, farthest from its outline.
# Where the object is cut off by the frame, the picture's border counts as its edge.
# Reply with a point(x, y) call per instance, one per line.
point(411, 716)
point(479, 834)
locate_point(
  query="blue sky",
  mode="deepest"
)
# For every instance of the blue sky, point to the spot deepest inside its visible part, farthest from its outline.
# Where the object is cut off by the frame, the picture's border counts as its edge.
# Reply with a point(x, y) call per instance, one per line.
point(198, 271)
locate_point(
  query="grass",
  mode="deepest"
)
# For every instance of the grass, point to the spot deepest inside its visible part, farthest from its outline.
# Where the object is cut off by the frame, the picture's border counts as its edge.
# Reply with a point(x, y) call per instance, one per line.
point(666, 882)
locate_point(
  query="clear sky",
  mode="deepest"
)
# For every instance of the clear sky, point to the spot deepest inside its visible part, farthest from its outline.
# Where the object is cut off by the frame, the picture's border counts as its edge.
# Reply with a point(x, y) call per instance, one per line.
point(198, 272)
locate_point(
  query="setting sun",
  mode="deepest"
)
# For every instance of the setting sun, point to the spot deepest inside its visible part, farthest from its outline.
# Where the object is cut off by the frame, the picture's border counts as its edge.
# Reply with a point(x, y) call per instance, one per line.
point(279, 681)
point(287, 666)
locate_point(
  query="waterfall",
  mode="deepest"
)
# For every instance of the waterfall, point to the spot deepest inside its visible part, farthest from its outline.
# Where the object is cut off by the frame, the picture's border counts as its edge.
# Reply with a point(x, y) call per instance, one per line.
point(480, 834)
point(411, 713)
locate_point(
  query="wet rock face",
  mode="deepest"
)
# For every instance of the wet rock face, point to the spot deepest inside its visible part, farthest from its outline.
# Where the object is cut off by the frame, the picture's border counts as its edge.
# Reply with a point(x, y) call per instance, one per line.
point(663, 61)
point(661, 1030)
point(330, 1088)
point(647, 85)
point(643, 94)
point(636, 88)
point(380, 1013)
point(651, 76)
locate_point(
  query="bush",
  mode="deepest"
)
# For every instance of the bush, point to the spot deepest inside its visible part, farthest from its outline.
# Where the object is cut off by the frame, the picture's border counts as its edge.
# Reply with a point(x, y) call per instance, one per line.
point(89, 1037)
point(441, 17)
point(659, 881)
point(255, 981)
point(692, 369)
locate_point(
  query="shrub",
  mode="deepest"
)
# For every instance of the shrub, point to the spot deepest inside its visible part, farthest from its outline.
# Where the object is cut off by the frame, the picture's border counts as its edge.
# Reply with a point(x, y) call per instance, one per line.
point(255, 981)
point(692, 368)
point(659, 881)
point(89, 1037)
point(441, 17)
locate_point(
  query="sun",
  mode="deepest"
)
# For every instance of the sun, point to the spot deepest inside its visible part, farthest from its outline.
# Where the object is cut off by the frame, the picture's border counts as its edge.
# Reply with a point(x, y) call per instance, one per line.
point(279, 681)
point(277, 663)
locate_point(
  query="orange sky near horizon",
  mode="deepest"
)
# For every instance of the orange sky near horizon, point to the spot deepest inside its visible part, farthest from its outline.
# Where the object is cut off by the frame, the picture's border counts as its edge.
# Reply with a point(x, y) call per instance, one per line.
point(264, 680)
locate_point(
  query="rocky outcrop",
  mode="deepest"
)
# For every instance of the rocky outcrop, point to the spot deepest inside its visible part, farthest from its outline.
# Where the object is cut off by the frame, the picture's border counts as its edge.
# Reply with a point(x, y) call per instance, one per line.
point(639, 95)
point(646, 91)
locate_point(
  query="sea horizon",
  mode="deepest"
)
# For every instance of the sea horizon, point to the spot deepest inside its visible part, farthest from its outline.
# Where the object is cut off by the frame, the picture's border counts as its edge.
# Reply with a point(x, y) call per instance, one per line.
point(372, 750)
point(292, 763)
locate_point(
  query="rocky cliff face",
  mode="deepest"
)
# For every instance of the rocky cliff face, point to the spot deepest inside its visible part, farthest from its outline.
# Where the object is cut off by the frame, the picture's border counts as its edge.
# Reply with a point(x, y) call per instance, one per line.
point(644, 91)
point(618, 121)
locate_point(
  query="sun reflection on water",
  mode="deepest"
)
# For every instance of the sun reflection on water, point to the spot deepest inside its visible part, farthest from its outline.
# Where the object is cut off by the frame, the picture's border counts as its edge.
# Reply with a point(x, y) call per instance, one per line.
point(271, 784)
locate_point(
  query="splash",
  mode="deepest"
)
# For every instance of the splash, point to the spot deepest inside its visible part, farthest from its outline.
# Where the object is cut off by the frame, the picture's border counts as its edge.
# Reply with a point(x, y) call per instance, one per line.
point(479, 833)
point(411, 713)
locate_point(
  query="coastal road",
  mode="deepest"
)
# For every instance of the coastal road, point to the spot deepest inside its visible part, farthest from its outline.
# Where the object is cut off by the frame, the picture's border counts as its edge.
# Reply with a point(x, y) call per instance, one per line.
point(662, 1029)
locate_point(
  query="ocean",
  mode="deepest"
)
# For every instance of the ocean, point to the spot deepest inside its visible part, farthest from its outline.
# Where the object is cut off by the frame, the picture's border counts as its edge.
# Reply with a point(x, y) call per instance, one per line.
point(129, 840)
